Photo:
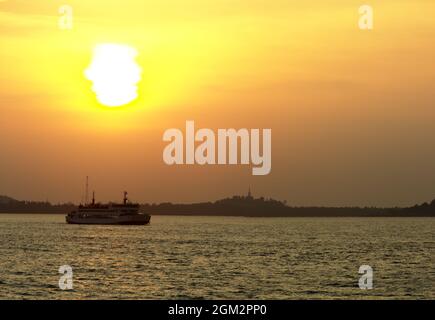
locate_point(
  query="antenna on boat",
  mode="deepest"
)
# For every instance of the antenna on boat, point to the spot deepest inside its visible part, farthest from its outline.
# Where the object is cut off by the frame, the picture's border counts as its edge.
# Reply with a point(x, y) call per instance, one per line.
point(93, 197)
point(125, 197)
point(87, 189)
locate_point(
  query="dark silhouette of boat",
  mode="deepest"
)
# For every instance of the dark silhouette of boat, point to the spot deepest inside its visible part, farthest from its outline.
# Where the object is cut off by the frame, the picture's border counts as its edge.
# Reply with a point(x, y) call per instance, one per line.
point(125, 213)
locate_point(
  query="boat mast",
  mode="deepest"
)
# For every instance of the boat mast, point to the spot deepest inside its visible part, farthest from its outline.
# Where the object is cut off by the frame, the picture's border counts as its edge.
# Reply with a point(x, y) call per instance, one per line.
point(87, 189)
point(125, 197)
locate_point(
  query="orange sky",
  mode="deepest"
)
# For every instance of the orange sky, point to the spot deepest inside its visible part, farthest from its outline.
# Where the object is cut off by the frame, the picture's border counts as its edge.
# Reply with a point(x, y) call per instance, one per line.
point(351, 111)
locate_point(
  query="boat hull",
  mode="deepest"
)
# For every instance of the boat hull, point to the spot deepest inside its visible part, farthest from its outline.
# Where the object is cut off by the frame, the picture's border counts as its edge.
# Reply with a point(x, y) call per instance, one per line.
point(140, 219)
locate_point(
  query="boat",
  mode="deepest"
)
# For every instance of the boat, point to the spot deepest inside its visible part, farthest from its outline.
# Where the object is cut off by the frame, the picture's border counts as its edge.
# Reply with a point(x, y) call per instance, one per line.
point(126, 213)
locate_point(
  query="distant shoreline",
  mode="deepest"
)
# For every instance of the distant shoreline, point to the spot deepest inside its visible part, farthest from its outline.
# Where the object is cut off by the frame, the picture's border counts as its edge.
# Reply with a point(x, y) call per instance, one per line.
point(232, 216)
point(237, 206)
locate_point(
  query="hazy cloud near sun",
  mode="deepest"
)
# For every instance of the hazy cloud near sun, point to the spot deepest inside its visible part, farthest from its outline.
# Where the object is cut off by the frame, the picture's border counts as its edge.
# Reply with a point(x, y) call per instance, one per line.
point(18, 17)
point(17, 24)
point(136, 10)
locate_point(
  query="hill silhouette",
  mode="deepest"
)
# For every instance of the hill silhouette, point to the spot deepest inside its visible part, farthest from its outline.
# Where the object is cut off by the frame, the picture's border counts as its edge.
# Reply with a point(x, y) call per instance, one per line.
point(261, 207)
point(235, 206)
point(10, 205)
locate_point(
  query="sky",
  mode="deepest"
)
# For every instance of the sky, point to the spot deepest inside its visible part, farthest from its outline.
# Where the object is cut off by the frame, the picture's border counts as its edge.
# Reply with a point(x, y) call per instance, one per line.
point(351, 111)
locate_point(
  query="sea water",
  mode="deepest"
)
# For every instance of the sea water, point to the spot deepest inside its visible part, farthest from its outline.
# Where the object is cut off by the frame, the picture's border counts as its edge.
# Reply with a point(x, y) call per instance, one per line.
point(217, 258)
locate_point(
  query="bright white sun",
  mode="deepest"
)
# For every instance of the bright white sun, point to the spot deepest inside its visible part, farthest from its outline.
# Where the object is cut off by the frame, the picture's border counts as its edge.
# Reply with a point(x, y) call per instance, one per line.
point(115, 74)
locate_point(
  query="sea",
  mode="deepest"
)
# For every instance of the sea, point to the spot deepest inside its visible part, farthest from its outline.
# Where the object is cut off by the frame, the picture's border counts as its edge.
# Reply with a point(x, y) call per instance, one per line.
point(201, 257)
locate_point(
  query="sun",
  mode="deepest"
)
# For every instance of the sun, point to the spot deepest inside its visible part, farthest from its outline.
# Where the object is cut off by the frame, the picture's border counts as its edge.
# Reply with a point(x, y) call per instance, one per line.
point(115, 74)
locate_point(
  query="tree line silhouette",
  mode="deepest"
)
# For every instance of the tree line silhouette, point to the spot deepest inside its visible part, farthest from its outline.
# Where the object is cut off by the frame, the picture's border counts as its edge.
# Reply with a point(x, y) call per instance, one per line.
point(235, 206)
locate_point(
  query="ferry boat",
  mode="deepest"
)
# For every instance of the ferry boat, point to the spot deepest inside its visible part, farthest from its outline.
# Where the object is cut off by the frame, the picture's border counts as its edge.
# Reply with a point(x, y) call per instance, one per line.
point(125, 213)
